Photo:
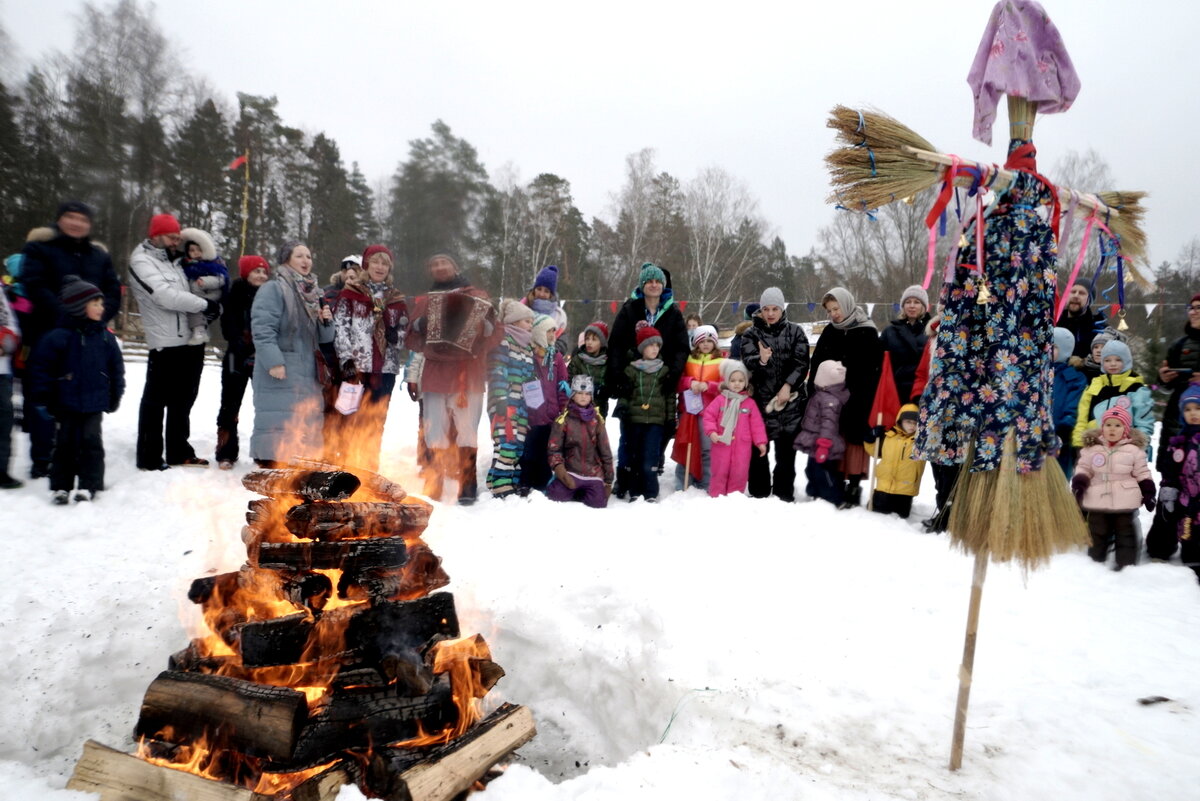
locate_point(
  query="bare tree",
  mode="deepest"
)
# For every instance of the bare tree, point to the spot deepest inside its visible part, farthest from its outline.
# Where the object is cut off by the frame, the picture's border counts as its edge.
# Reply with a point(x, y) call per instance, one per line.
point(1088, 172)
point(634, 205)
point(725, 236)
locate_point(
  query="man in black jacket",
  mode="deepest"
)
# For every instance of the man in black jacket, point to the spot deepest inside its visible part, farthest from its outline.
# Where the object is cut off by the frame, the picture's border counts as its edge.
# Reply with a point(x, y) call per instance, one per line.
point(653, 303)
point(50, 255)
point(1080, 320)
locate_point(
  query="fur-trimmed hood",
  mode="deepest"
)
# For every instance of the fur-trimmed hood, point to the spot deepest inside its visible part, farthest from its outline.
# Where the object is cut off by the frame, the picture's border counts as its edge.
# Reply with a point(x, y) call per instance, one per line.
point(742, 327)
point(44, 233)
point(1133, 437)
point(208, 248)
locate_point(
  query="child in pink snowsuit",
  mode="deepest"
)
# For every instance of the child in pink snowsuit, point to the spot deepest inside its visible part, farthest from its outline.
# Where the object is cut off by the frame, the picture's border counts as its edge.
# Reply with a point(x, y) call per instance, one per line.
point(733, 423)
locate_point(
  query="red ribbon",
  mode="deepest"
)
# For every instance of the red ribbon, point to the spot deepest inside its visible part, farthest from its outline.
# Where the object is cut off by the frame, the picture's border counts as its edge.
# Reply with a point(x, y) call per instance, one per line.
point(939, 206)
point(1024, 159)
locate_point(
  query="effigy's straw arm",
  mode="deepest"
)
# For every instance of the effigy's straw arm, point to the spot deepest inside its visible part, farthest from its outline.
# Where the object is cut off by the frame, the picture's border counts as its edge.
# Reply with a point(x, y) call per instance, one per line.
point(1084, 199)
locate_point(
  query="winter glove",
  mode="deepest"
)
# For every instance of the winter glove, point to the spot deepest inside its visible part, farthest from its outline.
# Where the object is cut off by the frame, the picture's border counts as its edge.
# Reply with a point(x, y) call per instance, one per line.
point(560, 472)
point(1167, 497)
point(822, 452)
point(874, 433)
point(1079, 485)
point(212, 310)
point(392, 335)
point(1147, 487)
point(413, 393)
point(113, 405)
point(9, 341)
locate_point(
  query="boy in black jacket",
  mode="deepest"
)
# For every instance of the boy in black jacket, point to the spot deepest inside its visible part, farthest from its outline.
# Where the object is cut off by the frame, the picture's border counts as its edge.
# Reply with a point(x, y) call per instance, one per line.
point(78, 374)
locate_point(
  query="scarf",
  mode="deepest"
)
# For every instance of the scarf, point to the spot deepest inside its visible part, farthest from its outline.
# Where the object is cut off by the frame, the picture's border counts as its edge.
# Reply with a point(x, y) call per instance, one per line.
point(518, 335)
point(381, 294)
point(648, 365)
point(585, 413)
point(729, 415)
point(305, 286)
point(544, 306)
point(854, 319)
point(587, 358)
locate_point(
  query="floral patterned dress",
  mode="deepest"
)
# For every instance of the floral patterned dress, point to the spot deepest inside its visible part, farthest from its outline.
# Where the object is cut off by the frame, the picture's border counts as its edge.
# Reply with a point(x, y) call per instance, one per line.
point(991, 371)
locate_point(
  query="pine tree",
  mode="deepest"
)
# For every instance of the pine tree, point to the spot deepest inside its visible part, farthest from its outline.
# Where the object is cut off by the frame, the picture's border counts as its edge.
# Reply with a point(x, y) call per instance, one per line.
point(41, 133)
point(205, 193)
point(13, 164)
point(332, 232)
point(366, 224)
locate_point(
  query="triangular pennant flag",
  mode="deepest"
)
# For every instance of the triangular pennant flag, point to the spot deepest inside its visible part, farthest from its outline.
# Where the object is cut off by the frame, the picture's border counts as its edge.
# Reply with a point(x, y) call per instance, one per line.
point(895, 308)
point(812, 307)
point(683, 305)
point(239, 161)
point(586, 300)
point(870, 309)
point(613, 306)
point(733, 306)
point(1114, 309)
point(1150, 307)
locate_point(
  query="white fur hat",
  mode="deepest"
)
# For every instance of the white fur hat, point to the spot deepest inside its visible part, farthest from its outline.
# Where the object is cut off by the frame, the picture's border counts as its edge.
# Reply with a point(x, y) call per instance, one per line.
point(208, 249)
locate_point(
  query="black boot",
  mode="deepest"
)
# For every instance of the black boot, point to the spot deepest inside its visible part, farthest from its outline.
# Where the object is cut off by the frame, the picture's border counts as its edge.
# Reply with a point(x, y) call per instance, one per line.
point(852, 496)
point(468, 483)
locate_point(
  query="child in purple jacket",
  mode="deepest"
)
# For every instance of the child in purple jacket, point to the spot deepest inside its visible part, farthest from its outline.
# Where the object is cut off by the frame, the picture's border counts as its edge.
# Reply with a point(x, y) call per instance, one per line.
point(819, 436)
point(545, 398)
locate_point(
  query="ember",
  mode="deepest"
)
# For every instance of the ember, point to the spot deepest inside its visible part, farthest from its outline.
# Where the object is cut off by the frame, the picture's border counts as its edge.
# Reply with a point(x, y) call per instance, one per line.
point(328, 655)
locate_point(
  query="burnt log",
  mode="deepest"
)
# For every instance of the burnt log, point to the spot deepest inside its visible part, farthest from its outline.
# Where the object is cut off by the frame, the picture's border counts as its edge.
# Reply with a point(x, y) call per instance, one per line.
point(339, 521)
point(255, 718)
point(223, 585)
point(346, 554)
point(312, 485)
point(421, 575)
point(371, 633)
point(383, 489)
point(310, 590)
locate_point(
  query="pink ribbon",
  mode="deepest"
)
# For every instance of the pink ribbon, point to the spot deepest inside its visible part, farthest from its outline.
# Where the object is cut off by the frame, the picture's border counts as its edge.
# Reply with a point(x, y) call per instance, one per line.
point(939, 206)
point(1087, 233)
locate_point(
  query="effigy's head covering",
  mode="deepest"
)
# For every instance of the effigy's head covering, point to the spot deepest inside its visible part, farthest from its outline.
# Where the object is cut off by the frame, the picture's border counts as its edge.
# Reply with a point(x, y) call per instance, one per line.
point(1023, 55)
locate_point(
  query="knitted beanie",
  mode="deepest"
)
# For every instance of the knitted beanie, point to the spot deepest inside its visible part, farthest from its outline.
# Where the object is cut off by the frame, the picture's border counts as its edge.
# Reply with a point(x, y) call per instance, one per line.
point(543, 327)
point(583, 383)
point(648, 335)
point(372, 250)
point(1195, 298)
point(918, 292)
point(76, 293)
point(1120, 350)
point(1064, 340)
point(547, 277)
point(76, 207)
point(600, 329)
point(1190, 395)
point(447, 257)
point(728, 367)
point(772, 296)
point(750, 309)
point(651, 272)
point(163, 224)
point(514, 311)
point(702, 332)
point(1119, 413)
point(830, 373)
point(248, 264)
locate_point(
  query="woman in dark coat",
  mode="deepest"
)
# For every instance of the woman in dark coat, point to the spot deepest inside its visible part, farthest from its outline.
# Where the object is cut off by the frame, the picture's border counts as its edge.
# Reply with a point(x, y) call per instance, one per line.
point(904, 340)
point(238, 364)
point(776, 353)
point(852, 339)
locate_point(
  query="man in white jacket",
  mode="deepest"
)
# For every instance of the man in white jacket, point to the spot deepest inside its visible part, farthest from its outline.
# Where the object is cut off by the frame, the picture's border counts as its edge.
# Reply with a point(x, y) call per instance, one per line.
point(173, 370)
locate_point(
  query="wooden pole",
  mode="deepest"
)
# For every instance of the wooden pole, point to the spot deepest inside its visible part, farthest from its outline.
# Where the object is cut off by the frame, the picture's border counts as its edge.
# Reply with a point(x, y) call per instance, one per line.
point(687, 467)
point(245, 201)
point(968, 660)
point(875, 463)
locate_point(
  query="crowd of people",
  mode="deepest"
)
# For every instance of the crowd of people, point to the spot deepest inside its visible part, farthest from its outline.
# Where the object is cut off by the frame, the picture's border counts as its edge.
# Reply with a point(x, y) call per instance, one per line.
point(322, 364)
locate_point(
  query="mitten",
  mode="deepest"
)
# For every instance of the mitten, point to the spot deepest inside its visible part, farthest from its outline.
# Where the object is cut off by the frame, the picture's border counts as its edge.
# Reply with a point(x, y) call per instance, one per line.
point(8, 341)
point(822, 452)
point(392, 335)
point(413, 392)
point(1147, 487)
point(1167, 497)
point(212, 310)
point(1079, 485)
point(873, 433)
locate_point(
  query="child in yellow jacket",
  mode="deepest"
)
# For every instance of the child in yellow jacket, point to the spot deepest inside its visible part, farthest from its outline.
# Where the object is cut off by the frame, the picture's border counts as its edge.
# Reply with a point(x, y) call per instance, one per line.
point(898, 475)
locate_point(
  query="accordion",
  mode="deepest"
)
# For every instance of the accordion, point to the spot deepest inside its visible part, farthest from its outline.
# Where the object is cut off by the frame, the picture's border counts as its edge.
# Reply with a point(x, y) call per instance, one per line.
point(454, 324)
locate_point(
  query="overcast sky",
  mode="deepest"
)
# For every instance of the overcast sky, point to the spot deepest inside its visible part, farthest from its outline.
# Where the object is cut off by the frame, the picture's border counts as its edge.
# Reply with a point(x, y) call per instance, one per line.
point(572, 88)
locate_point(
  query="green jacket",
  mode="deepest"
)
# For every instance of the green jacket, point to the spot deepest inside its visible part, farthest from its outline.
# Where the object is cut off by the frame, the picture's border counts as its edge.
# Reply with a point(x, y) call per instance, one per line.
point(647, 398)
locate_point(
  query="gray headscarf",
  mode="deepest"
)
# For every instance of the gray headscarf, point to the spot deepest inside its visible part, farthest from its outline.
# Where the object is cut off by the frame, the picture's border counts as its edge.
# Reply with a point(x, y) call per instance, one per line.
point(854, 316)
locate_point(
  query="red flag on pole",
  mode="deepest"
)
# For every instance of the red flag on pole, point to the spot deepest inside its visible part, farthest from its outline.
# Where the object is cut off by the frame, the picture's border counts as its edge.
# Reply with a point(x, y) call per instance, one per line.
point(887, 398)
point(683, 305)
point(239, 161)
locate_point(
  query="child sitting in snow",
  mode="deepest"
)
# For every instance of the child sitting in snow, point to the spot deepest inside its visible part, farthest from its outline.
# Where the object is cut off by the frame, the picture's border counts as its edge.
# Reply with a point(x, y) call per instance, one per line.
point(207, 276)
point(1180, 492)
point(579, 453)
point(545, 403)
point(590, 359)
point(898, 475)
point(510, 368)
point(1118, 385)
point(733, 424)
point(699, 386)
point(77, 372)
point(1112, 479)
point(819, 435)
point(645, 407)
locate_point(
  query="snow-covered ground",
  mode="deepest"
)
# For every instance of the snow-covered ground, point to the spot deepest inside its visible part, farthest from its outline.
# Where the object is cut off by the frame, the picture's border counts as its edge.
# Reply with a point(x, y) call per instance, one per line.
point(698, 648)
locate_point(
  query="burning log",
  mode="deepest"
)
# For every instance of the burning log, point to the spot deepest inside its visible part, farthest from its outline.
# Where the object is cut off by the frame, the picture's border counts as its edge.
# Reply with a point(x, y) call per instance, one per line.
point(310, 590)
point(338, 521)
point(312, 485)
point(182, 707)
point(346, 554)
point(421, 575)
point(371, 634)
point(383, 489)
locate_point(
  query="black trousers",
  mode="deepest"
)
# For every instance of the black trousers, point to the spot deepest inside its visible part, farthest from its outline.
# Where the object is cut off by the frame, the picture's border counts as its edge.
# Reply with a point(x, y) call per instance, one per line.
point(233, 391)
point(1108, 528)
point(78, 452)
point(172, 382)
point(888, 503)
point(944, 476)
point(782, 481)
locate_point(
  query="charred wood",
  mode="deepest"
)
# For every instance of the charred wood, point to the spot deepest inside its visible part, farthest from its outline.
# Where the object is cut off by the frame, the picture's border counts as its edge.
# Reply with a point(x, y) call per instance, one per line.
point(347, 554)
point(260, 719)
point(383, 489)
point(338, 521)
point(312, 485)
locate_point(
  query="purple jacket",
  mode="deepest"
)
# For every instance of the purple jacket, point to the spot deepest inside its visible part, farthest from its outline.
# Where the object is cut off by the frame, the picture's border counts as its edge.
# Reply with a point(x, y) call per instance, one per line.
point(821, 420)
point(553, 378)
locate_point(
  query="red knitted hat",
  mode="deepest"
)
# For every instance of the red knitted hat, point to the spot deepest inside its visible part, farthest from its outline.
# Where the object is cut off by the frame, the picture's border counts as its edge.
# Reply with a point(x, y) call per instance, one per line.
point(1120, 413)
point(372, 250)
point(1195, 298)
point(648, 335)
point(163, 224)
point(600, 330)
point(248, 264)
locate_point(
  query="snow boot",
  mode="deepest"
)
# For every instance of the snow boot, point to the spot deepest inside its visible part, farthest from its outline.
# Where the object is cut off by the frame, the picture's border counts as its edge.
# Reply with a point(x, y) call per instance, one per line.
point(852, 496)
point(61, 497)
point(468, 482)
